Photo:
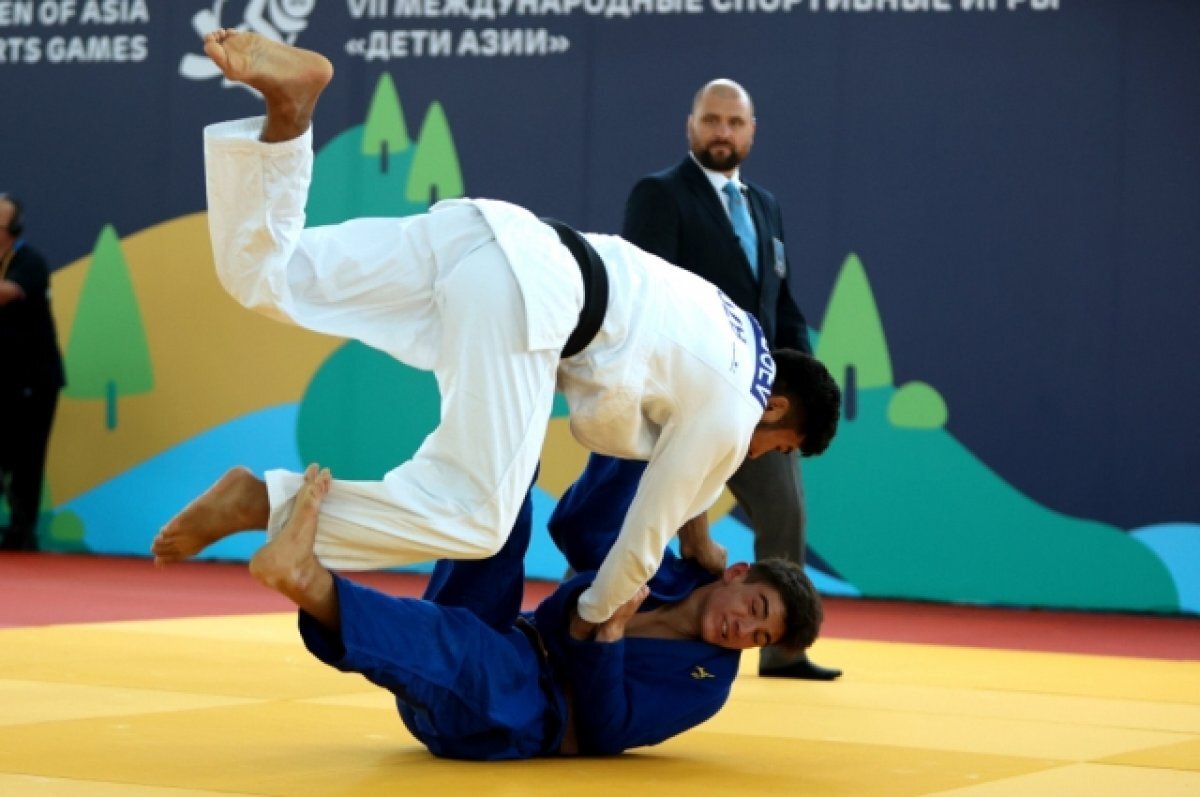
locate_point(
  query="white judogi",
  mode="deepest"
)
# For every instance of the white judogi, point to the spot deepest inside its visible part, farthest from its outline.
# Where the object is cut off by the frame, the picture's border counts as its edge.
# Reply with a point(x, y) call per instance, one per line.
point(484, 295)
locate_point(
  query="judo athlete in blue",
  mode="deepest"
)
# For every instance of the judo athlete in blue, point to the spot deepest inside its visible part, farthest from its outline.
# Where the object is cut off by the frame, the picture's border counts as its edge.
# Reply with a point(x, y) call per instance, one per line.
point(476, 679)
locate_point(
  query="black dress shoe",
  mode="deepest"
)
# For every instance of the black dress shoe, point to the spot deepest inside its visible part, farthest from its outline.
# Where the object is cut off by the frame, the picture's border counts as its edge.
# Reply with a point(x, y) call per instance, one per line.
point(18, 541)
point(801, 668)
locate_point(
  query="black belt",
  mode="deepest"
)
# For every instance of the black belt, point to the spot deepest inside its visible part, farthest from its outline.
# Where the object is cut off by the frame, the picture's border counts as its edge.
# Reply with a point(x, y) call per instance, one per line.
point(530, 630)
point(595, 287)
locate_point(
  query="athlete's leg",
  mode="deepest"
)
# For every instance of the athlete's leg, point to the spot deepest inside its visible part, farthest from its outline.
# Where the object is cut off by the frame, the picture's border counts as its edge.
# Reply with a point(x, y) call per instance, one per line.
point(286, 563)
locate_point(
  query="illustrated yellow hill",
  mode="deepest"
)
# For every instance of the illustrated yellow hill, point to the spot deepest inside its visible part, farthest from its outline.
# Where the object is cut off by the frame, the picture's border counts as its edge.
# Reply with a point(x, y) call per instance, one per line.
point(213, 360)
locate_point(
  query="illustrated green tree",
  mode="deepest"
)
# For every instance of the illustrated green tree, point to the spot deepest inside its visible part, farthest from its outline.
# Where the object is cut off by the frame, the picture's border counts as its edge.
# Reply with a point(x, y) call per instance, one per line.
point(385, 133)
point(852, 333)
point(107, 355)
point(65, 533)
point(60, 531)
point(435, 172)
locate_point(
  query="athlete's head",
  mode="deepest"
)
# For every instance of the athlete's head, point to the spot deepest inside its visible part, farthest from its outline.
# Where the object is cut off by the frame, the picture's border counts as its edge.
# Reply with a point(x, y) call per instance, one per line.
point(771, 602)
point(802, 411)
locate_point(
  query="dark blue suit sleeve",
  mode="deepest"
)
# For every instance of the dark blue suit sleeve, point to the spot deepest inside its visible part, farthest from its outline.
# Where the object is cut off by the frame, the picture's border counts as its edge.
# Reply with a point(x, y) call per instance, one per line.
point(30, 272)
point(652, 220)
point(791, 328)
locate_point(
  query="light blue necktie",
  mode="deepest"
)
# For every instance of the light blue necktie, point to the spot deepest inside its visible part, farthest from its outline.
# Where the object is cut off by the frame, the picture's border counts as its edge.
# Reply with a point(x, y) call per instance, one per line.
point(743, 225)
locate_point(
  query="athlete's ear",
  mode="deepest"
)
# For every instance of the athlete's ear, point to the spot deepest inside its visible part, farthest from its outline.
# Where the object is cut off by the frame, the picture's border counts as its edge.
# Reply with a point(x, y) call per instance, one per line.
point(734, 572)
point(777, 408)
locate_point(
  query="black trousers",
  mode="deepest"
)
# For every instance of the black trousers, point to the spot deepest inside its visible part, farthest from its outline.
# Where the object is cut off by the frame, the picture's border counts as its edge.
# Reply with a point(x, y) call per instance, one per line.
point(26, 416)
point(771, 492)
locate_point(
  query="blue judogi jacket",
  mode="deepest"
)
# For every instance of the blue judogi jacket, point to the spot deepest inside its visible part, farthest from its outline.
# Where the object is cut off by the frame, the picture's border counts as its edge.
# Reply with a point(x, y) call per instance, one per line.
point(638, 690)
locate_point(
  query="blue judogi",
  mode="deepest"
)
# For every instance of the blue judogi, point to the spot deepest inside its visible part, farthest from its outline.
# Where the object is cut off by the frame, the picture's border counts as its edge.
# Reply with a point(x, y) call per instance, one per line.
point(470, 683)
point(588, 517)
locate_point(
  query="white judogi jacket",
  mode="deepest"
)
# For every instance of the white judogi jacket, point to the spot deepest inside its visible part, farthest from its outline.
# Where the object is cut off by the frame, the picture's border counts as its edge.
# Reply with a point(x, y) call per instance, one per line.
point(484, 295)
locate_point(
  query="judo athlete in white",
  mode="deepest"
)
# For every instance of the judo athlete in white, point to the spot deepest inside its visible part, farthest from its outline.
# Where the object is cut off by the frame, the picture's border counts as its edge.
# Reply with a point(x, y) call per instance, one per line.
point(485, 296)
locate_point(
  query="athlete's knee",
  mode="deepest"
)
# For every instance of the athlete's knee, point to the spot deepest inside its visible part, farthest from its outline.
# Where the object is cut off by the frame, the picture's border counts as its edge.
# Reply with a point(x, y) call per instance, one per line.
point(491, 543)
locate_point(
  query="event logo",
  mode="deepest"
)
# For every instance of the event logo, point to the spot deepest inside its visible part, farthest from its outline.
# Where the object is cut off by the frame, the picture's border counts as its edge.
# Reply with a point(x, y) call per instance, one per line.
point(281, 20)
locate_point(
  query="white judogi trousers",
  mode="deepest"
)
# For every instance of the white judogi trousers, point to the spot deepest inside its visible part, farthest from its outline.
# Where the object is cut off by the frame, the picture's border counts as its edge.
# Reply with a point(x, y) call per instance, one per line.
point(434, 291)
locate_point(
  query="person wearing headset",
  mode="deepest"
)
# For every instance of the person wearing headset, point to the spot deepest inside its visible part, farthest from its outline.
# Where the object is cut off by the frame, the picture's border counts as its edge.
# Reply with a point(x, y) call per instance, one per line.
point(31, 376)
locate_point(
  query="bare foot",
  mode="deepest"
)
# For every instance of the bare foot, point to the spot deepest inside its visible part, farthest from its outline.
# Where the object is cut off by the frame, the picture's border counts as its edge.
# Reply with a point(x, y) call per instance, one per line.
point(289, 78)
point(237, 502)
point(287, 563)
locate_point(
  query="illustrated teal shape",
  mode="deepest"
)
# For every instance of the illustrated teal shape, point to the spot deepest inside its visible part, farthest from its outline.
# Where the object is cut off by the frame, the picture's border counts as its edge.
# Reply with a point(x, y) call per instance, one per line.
point(852, 333)
point(560, 408)
point(911, 513)
point(348, 184)
point(364, 413)
point(107, 355)
point(385, 132)
point(917, 405)
point(435, 171)
point(373, 171)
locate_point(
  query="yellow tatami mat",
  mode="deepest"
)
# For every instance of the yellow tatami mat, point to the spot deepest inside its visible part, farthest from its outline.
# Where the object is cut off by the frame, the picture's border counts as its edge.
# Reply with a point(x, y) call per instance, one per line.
point(235, 706)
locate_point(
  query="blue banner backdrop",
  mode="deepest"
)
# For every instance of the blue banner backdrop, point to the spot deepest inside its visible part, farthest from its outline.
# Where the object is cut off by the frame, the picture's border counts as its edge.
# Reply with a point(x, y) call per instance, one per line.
point(1019, 180)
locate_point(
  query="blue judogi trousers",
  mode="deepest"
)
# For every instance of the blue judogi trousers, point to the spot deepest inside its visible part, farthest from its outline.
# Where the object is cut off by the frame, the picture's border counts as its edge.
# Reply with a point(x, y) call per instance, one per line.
point(457, 663)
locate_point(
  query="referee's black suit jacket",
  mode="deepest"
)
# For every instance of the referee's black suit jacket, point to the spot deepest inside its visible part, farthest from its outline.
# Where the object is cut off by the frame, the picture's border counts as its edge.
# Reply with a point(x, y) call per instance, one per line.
point(677, 215)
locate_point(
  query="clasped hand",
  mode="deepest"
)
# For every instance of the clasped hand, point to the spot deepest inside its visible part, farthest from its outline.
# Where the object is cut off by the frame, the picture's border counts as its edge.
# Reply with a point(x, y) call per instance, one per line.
point(612, 629)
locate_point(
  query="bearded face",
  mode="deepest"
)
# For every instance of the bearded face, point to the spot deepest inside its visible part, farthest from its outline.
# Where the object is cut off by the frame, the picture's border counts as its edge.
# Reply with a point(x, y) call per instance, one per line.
point(721, 130)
